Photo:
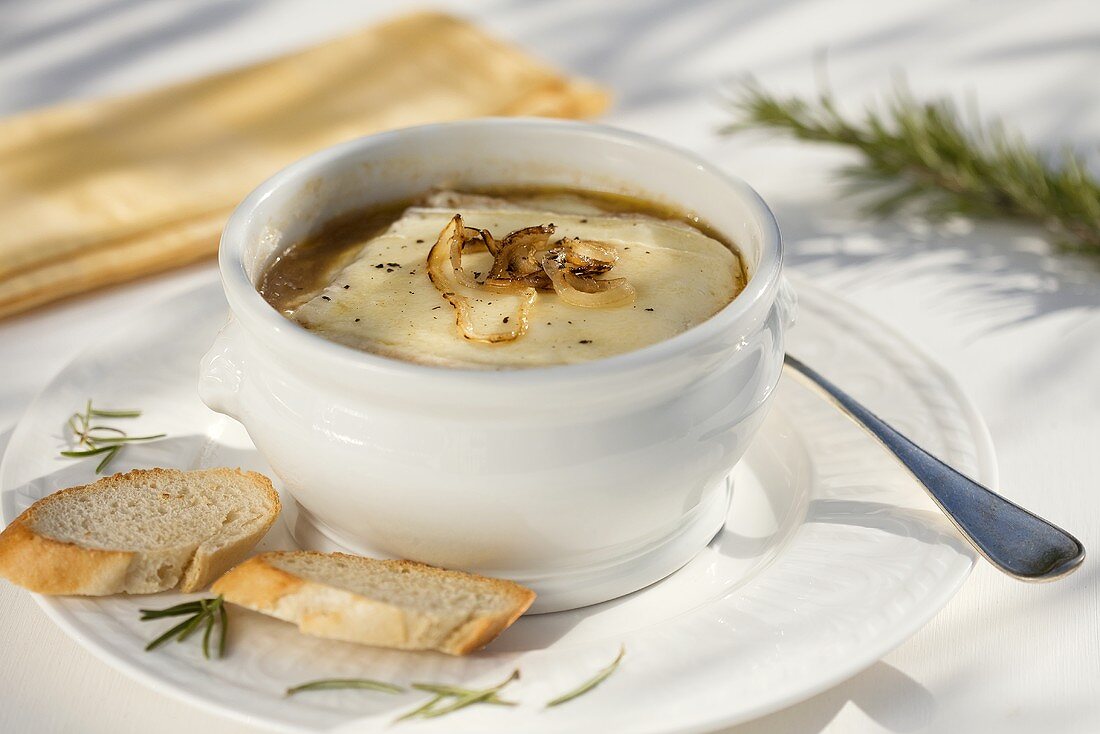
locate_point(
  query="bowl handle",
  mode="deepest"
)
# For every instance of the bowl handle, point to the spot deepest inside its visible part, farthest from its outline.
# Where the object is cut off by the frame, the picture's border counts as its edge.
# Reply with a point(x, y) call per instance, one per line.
point(221, 372)
point(786, 301)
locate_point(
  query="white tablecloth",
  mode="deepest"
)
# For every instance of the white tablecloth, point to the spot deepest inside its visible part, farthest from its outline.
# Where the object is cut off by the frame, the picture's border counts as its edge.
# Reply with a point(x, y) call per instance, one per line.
point(1019, 327)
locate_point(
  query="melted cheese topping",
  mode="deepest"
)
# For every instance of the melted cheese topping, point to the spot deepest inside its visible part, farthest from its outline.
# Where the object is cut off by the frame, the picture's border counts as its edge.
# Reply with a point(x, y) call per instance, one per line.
point(383, 301)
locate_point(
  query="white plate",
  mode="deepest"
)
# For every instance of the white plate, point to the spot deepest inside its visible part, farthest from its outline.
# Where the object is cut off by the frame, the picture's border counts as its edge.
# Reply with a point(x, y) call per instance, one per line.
point(830, 558)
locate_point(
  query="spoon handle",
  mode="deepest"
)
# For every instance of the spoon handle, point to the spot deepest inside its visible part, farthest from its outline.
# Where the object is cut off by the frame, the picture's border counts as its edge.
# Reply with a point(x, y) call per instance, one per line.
point(1020, 543)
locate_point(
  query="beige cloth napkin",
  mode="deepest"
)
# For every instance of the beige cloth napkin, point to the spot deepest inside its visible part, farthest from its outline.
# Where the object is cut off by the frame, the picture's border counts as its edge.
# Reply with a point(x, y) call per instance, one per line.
point(101, 192)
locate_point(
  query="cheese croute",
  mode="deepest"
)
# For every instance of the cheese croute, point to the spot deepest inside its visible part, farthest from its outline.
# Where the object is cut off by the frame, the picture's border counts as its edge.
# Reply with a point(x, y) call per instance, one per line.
point(497, 285)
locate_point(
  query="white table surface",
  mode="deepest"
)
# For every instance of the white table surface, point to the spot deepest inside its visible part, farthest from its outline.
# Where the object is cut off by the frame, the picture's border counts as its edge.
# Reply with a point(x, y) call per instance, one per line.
point(1019, 327)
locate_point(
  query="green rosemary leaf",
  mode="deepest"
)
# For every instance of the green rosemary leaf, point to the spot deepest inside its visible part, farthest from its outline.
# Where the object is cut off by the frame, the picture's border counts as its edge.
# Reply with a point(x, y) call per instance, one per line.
point(98, 413)
point(422, 709)
point(194, 622)
point(202, 612)
point(107, 459)
point(127, 439)
point(89, 452)
point(330, 684)
point(921, 156)
point(187, 607)
point(438, 688)
point(460, 702)
point(588, 685)
point(469, 699)
point(90, 432)
point(168, 635)
point(164, 615)
point(223, 618)
point(456, 691)
point(206, 636)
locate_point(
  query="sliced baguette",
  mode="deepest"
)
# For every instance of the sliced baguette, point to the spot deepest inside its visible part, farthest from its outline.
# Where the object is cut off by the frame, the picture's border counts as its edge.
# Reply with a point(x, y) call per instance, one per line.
point(398, 604)
point(139, 532)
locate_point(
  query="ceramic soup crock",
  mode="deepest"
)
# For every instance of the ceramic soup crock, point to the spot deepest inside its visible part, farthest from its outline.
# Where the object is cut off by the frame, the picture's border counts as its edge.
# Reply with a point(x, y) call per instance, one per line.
point(584, 482)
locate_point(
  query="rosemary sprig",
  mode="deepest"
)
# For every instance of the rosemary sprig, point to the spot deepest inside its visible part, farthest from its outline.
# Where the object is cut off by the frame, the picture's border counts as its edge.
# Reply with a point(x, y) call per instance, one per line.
point(100, 439)
point(206, 612)
point(924, 157)
point(459, 698)
point(455, 696)
point(457, 692)
point(329, 684)
point(446, 698)
point(592, 682)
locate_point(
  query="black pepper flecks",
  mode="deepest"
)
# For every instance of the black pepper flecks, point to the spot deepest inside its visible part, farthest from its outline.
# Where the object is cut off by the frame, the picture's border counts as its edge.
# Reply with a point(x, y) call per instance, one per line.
point(346, 287)
point(585, 341)
point(649, 309)
point(435, 307)
point(389, 270)
point(325, 298)
point(505, 320)
point(358, 320)
point(419, 242)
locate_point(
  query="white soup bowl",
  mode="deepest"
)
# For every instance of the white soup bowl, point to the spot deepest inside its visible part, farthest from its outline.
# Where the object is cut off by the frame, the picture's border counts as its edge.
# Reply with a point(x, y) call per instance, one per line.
point(584, 481)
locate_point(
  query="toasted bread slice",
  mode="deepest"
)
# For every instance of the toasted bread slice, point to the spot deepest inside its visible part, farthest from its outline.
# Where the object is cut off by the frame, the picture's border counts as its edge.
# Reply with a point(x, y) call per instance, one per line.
point(398, 604)
point(139, 532)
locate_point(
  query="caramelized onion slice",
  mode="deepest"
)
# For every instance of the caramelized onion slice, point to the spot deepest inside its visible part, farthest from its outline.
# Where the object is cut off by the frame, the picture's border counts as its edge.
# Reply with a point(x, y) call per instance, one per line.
point(470, 328)
point(539, 281)
point(585, 257)
point(453, 240)
point(585, 291)
point(587, 284)
point(521, 252)
point(478, 238)
point(462, 290)
point(490, 242)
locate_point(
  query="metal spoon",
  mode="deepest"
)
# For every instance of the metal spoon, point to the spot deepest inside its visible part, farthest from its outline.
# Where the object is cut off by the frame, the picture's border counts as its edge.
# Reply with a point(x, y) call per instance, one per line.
point(1023, 545)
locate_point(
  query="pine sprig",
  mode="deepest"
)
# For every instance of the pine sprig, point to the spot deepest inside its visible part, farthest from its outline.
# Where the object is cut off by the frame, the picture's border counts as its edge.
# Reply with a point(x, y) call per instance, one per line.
point(923, 157)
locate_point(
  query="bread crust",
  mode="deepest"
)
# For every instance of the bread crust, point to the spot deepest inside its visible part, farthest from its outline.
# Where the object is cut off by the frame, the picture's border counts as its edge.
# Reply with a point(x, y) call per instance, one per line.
point(327, 611)
point(204, 568)
point(49, 566)
point(257, 585)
